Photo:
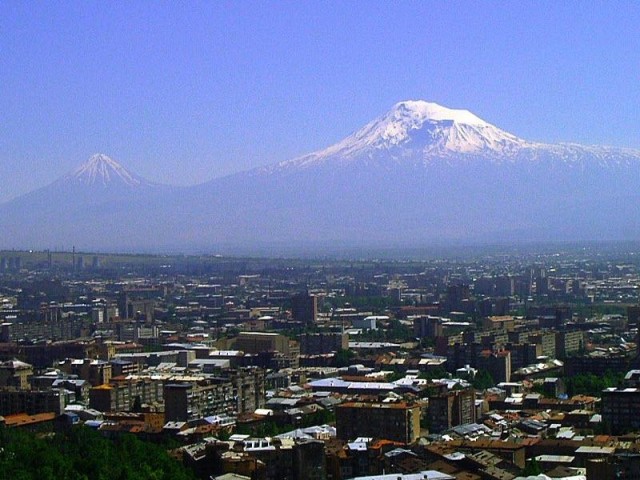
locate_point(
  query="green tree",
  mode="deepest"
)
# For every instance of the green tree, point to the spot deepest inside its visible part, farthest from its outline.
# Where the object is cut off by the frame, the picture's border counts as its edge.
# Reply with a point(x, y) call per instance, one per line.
point(532, 468)
point(344, 358)
point(82, 454)
point(437, 372)
point(483, 380)
point(590, 384)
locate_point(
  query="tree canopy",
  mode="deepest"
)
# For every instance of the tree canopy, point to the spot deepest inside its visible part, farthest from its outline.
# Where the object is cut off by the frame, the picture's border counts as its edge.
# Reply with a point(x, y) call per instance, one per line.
point(590, 384)
point(83, 454)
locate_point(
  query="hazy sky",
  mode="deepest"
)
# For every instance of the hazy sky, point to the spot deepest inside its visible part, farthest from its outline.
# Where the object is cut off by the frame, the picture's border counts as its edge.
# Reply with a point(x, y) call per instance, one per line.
point(181, 92)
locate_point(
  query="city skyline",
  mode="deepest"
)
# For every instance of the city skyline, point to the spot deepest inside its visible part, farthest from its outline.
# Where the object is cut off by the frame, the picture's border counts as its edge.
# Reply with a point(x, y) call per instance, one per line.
point(184, 95)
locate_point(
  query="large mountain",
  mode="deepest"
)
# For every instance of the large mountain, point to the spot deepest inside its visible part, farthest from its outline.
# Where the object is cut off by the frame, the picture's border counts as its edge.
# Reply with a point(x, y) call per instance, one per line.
point(419, 174)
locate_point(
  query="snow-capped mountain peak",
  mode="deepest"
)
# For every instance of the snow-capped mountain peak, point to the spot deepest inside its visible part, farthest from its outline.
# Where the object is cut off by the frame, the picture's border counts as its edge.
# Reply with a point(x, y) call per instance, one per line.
point(416, 130)
point(422, 110)
point(438, 130)
point(103, 170)
point(447, 129)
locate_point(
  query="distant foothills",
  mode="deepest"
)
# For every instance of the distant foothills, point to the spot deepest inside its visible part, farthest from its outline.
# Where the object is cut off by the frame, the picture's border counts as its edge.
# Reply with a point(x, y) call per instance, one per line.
point(419, 175)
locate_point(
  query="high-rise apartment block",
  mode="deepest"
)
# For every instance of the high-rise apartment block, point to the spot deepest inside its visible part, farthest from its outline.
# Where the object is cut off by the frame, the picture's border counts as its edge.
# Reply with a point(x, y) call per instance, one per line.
point(304, 308)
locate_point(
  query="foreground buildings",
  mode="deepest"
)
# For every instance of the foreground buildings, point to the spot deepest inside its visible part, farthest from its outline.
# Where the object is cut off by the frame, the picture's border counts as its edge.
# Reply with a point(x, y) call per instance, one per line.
point(481, 369)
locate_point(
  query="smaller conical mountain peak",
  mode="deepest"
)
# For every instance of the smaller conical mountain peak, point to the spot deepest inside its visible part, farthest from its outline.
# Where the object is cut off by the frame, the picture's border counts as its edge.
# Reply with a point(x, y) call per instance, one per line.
point(100, 169)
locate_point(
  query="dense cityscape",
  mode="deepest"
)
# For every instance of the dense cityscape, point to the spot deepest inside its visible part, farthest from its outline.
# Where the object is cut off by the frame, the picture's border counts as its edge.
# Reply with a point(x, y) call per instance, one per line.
point(490, 363)
point(265, 240)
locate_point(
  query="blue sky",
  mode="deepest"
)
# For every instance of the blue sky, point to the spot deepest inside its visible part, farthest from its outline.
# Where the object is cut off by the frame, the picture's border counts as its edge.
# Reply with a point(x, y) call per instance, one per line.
point(181, 92)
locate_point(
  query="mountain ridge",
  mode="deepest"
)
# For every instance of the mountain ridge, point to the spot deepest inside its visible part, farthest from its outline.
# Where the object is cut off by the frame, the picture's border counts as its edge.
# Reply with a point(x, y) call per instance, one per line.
point(417, 174)
point(449, 133)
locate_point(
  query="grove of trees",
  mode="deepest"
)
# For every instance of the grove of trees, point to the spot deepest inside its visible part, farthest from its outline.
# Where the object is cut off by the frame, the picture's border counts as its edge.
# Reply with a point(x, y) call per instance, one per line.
point(83, 454)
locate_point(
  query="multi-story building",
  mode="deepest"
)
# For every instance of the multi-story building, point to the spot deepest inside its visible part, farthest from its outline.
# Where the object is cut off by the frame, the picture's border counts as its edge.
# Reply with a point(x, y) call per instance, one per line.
point(258, 342)
point(548, 341)
point(240, 391)
point(140, 301)
point(505, 286)
point(451, 408)
point(461, 354)
point(427, 326)
point(597, 363)
point(44, 355)
point(121, 396)
point(399, 422)
point(14, 373)
point(186, 401)
point(304, 308)
point(261, 342)
point(13, 401)
point(633, 314)
point(620, 409)
point(498, 364)
point(248, 389)
point(323, 342)
point(523, 354)
point(503, 322)
point(568, 343)
point(96, 372)
point(457, 293)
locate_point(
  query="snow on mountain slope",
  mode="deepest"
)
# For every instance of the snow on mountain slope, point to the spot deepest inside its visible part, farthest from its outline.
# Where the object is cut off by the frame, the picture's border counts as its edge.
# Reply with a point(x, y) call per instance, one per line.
point(420, 132)
point(103, 170)
point(447, 130)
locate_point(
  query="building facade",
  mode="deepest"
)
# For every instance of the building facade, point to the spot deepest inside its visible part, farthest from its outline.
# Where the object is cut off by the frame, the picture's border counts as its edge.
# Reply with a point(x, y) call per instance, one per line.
point(451, 408)
point(399, 422)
